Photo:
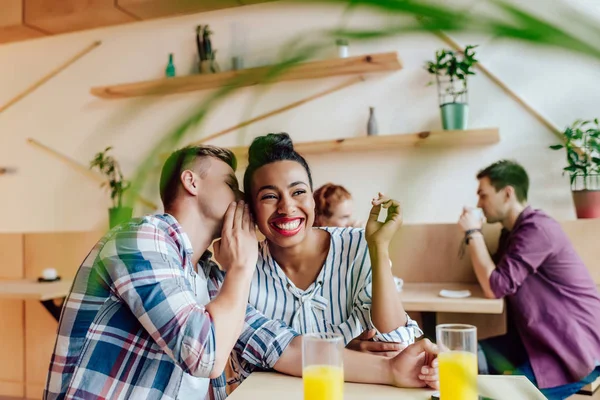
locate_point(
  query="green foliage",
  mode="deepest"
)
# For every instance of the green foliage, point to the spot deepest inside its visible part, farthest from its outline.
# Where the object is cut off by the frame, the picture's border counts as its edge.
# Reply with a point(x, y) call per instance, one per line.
point(109, 167)
point(582, 146)
point(453, 64)
point(451, 70)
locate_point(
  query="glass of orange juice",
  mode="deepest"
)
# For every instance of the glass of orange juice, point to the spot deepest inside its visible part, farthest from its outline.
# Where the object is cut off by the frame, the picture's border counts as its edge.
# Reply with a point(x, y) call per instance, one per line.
point(323, 366)
point(457, 361)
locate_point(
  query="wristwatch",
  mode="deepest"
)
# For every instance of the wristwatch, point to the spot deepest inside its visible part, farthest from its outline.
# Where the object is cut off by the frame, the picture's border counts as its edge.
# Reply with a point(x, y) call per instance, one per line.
point(468, 234)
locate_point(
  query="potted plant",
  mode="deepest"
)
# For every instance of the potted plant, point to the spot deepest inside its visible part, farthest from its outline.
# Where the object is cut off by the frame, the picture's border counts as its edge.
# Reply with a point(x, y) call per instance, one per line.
point(582, 144)
point(109, 167)
point(451, 70)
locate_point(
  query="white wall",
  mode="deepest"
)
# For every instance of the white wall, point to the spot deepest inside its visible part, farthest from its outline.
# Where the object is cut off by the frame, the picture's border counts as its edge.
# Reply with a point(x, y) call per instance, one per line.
point(433, 185)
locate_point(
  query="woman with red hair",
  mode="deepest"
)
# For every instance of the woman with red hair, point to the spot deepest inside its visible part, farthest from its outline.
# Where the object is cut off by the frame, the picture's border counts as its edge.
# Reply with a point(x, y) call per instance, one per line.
point(334, 206)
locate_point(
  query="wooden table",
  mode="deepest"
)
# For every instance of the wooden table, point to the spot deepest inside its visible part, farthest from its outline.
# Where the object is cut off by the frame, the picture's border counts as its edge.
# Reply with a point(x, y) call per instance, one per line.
point(274, 386)
point(425, 298)
point(44, 292)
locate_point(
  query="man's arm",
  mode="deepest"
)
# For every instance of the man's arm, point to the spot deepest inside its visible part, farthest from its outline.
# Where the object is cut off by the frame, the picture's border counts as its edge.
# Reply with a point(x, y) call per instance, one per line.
point(227, 312)
point(483, 265)
point(237, 252)
point(413, 367)
point(386, 311)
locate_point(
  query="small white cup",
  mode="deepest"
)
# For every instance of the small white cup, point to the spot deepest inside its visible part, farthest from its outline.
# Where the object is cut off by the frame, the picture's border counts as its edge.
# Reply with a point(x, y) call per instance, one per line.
point(49, 274)
point(478, 212)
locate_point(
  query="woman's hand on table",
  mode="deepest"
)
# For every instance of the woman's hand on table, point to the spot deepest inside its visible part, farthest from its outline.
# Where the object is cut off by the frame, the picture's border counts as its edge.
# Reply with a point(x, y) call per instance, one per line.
point(363, 343)
point(416, 366)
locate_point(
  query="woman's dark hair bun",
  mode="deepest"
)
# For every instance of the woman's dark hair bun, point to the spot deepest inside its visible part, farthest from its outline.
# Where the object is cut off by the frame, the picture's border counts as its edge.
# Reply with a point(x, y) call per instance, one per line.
point(268, 148)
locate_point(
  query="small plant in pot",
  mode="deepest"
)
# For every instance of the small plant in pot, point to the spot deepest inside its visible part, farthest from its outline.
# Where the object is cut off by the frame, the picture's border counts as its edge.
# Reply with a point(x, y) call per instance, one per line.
point(451, 70)
point(582, 145)
point(109, 167)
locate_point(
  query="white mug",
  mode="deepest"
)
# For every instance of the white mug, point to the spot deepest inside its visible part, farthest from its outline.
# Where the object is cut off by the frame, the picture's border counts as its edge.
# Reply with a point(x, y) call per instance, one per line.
point(478, 212)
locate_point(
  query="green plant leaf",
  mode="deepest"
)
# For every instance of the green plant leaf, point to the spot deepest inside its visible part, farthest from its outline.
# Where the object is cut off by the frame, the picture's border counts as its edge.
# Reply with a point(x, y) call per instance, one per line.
point(571, 168)
point(572, 178)
point(557, 146)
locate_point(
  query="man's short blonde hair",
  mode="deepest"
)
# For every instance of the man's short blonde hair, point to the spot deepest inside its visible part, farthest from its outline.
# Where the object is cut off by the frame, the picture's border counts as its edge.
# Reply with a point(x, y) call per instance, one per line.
point(182, 159)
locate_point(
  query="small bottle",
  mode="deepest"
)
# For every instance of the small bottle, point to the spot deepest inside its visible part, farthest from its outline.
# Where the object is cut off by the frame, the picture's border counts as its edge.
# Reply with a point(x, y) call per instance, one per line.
point(170, 70)
point(342, 45)
point(237, 63)
point(372, 124)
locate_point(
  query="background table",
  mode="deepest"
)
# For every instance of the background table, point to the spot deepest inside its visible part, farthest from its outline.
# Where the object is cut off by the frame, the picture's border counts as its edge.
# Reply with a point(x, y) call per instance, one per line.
point(425, 298)
point(44, 292)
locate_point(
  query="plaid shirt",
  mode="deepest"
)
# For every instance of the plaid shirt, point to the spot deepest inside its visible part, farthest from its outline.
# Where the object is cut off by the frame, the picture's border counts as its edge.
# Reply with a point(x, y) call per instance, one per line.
point(131, 326)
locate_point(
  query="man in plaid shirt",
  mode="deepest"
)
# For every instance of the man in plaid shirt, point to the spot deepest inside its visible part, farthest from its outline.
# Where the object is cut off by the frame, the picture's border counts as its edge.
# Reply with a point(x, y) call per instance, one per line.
point(150, 316)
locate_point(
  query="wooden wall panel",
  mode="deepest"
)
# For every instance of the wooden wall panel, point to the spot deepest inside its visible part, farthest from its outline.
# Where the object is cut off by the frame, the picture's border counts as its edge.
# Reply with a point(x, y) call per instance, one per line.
point(11, 391)
point(12, 12)
point(585, 236)
point(40, 336)
point(11, 249)
point(63, 251)
point(12, 329)
point(11, 23)
point(59, 16)
point(34, 392)
point(18, 33)
point(488, 325)
point(146, 9)
point(12, 348)
point(429, 253)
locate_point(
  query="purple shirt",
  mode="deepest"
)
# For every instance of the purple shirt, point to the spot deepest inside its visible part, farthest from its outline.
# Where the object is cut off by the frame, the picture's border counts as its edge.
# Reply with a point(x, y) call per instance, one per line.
point(553, 300)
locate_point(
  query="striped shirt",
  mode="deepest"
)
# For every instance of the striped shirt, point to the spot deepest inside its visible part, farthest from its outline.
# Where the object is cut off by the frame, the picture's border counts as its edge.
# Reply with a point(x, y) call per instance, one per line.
point(340, 299)
point(131, 325)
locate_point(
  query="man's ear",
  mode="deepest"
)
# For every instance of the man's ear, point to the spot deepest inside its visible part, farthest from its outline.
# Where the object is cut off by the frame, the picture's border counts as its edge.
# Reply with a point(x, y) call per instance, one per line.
point(191, 182)
point(510, 192)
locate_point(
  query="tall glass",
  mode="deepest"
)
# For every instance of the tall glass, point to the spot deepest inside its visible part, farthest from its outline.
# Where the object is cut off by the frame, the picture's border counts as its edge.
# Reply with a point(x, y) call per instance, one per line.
point(323, 366)
point(457, 361)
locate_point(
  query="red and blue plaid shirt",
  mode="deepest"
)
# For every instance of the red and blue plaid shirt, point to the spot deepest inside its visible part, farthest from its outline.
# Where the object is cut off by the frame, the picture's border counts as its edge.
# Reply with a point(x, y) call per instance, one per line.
point(131, 326)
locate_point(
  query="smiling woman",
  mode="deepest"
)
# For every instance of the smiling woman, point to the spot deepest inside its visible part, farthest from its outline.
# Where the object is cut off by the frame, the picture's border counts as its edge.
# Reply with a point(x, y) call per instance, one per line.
point(322, 279)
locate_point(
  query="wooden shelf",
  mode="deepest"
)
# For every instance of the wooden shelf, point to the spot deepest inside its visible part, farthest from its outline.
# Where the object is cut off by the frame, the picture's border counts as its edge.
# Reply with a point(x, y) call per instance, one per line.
point(439, 139)
point(364, 64)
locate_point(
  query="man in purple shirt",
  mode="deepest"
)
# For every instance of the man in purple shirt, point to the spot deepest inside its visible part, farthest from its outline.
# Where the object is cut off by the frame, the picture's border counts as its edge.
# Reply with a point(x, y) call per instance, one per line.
point(553, 306)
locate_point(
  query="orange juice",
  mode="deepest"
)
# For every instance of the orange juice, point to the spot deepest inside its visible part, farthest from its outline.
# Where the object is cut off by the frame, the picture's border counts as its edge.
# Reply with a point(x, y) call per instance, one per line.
point(458, 375)
point(323, 382)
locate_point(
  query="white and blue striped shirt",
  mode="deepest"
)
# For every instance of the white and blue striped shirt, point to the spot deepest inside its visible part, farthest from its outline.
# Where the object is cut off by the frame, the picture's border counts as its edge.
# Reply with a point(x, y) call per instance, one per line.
point(340, 299)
